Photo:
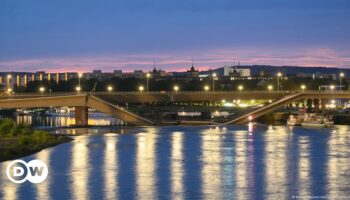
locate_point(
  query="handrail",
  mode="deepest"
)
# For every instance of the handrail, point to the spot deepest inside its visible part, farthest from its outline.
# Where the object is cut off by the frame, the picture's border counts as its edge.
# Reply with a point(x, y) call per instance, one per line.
point(179, 92)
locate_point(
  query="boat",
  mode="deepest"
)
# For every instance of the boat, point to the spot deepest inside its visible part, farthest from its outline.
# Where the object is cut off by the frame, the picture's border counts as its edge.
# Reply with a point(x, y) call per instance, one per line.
point(293, 120)
point(310, 120)
point(314, 120)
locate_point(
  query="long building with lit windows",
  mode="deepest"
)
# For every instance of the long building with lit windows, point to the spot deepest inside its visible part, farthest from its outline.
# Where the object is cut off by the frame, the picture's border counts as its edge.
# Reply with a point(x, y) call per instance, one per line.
point(21, 79)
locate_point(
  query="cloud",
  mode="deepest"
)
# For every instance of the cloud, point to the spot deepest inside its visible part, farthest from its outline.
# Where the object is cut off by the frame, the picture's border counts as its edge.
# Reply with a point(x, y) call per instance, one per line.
point(180, 62)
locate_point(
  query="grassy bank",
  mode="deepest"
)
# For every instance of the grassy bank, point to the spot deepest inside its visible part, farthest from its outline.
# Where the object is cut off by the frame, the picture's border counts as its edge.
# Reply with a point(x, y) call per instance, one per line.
point(18, 141)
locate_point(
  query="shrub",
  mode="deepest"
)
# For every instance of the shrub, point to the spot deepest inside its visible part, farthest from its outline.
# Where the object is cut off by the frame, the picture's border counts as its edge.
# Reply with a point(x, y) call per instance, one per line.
point(6, 126)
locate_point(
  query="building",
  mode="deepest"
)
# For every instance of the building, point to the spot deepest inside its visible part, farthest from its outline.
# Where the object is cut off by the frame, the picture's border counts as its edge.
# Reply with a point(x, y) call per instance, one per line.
point(234, 71)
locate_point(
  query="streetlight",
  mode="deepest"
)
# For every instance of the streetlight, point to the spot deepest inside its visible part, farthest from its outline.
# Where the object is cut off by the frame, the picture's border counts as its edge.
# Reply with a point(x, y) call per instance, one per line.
point(42, 89)
point(109, 88)
point(148, 75)
point(269, 87)
point(78, 88)
point(279, 74)
point(79, 77)
point(303, 87)
point(341, 75)
point(176, 88)
point(141, 88)
point(206, 88)
point(240, 88)
point(9, 90)
point(332, 87)
point(214, 76)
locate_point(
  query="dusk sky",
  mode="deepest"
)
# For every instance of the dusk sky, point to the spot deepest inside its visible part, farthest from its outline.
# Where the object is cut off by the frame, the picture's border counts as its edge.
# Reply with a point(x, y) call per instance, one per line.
point(81, 35)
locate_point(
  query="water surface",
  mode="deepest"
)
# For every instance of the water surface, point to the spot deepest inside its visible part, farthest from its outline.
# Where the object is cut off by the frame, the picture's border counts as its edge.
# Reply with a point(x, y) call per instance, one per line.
point(231, 162)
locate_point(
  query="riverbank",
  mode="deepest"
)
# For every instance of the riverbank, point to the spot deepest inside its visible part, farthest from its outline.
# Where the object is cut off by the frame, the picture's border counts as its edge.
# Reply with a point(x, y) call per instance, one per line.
point(17, 141)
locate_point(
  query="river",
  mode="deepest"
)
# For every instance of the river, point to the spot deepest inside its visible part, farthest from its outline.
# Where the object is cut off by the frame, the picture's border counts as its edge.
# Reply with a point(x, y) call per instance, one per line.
point(187, 162)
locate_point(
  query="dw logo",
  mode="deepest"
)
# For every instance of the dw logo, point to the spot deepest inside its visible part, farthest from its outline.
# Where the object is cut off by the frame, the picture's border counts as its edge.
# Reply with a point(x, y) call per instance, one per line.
point(35, 171)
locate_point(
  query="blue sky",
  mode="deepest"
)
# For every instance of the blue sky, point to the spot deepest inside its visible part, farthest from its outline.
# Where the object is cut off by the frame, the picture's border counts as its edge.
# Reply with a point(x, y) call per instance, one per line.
point(131, 34)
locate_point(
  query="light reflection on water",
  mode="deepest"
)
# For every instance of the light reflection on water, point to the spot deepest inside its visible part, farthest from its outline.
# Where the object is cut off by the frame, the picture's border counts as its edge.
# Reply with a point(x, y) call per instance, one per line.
point(64, 121)
point(235, 162)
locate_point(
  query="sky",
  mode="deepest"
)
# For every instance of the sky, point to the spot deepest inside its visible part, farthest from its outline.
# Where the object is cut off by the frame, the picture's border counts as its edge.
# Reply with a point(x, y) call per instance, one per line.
point(81, 35)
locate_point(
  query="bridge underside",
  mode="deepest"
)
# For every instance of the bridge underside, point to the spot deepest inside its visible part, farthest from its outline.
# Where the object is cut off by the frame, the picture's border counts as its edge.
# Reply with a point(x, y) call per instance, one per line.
point(108, 103)
point(81, 104)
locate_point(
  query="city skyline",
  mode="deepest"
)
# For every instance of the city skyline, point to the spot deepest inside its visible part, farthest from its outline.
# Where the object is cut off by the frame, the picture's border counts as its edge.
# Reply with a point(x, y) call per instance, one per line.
point(85, 35)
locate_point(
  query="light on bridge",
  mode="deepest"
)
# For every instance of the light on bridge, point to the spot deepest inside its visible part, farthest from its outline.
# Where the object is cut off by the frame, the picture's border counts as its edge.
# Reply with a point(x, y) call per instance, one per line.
point(9, 90)
point(303, 87)
point(42, 89)
point(270, 87)
point(109, 88)
point(240, 87)
point(141, 88)
point(176, 88)
point(250, 118)
point(206, 88)
point(78, 88)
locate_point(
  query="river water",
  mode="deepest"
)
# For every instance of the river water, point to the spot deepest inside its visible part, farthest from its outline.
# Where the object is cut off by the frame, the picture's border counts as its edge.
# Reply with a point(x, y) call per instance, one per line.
point(185, 162)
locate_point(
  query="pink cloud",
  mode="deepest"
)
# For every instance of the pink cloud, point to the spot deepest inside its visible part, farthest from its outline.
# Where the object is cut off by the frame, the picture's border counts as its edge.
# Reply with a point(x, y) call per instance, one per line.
point(180, 62)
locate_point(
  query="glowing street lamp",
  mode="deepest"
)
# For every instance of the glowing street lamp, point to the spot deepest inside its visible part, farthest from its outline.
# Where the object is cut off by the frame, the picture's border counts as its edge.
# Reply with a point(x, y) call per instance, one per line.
point(176, 88)
point(214, 76)
point(141, 88)
point(206, 88)
point(269, 87)
point(279, 74)
point(341, 75)
point(332, 87)
point(148, 75)
point(9, 90)
point(78, 88)
point(42, 89)
point(303, 87)
point(240, 88)
point(79, 77)
point(110, 88)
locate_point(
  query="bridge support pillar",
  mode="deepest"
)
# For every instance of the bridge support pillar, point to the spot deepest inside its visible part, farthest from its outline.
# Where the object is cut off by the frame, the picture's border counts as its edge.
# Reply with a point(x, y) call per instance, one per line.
point(323, 104)
point(317, 104)
point(81, 116)
point(309, 105)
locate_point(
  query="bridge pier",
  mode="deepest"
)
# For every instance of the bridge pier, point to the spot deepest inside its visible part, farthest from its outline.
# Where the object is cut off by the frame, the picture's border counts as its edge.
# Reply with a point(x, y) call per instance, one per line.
point(81, 116)
point(323, 104)
point(317, 104)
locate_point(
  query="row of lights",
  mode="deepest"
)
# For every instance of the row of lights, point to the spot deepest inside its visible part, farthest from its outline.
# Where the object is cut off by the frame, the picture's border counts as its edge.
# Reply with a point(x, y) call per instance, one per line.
point(175, 88)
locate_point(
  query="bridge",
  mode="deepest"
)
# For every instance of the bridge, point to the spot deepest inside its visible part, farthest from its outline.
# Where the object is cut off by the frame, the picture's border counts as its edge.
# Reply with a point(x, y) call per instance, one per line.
point(109, 102)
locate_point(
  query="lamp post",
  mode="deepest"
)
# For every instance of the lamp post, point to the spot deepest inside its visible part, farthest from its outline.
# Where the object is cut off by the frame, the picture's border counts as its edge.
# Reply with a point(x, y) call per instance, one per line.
point(42, 90)
point(214, 76)
point(332, 87)
point(176, 88)
point(78, 89)
point(206, 88)
point(9, 91)
point(240, 88)
point(303, 87)
point(279, 74)
point(148, 75)
point(270, 87)
point(79, 77)
point(8, 82)
point(341, 75)
point(141, 88)
point(109, 88)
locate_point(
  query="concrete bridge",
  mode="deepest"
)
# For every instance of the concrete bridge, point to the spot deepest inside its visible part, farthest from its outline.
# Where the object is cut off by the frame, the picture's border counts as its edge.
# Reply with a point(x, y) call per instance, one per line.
point(108, 102)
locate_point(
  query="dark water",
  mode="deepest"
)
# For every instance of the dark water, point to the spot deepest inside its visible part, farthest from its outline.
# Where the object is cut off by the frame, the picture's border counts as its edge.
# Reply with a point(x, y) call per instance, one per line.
point(232, 162)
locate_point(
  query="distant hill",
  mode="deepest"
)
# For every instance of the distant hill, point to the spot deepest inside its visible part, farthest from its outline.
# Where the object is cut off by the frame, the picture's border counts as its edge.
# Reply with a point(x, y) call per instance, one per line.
point(287, 70)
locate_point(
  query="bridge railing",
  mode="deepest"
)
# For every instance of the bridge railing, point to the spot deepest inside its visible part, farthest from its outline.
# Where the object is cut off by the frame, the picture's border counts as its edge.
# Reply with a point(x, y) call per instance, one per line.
point(285, 92)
